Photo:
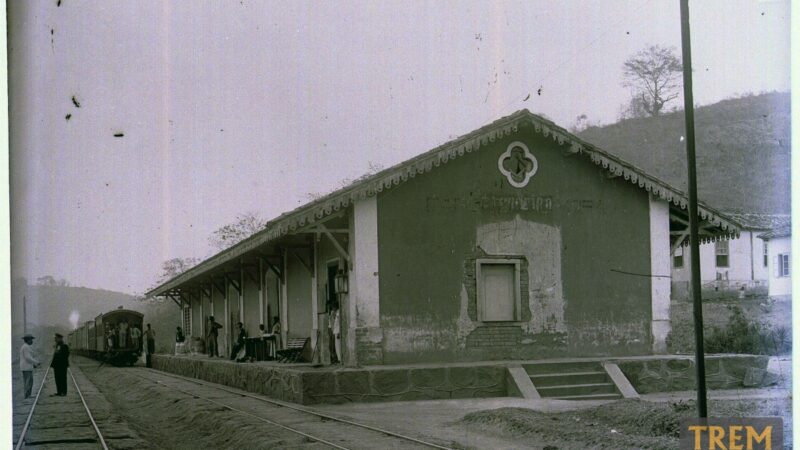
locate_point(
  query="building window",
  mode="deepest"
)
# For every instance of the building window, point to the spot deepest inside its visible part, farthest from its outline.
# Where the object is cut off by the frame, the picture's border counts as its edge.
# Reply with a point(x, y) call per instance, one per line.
point(783, 265)
point(721, 249)
point(677, 259)
point(187, 321)
point(498, 287)
point(766, 254)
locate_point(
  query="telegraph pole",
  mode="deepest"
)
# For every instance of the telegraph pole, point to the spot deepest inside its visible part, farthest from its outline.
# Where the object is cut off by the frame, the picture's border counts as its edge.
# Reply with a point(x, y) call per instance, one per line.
point(24, 316)
point(688, 106)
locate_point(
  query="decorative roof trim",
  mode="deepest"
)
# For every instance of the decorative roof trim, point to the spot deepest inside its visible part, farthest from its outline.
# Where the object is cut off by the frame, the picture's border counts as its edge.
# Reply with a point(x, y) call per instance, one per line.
point(425, 162)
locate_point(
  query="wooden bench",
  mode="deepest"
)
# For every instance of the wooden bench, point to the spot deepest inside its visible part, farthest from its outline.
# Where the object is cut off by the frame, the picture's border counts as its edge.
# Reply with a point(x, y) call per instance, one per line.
point(294, 350)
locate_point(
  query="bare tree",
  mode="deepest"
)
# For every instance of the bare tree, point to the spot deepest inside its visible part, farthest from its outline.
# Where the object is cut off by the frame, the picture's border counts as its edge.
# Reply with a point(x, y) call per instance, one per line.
point(372, 169)
point(244, 226)
point(171, 268)
point(654, 77)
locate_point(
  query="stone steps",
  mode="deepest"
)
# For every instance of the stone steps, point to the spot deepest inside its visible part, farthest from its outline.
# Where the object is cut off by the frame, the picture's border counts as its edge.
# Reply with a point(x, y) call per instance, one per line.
point(580, 380)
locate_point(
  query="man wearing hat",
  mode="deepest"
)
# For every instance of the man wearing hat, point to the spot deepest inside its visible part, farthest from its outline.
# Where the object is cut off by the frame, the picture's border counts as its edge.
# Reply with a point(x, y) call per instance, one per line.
point(60, 364)
point(27, 362)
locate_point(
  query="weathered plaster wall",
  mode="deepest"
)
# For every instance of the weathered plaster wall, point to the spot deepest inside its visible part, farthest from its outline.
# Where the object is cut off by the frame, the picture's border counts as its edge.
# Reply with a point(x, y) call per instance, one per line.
point(779, 286)
point(273, 294)
point(299, 295)
point(365, 335)
point(746, 261)
point(577, 230)
point(660, 285)
point(252, 312)
point(197, 319)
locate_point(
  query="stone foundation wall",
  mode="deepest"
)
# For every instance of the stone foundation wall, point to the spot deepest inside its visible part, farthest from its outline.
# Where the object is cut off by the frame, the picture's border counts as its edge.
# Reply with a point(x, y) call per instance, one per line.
point(309, 386)
point(678, 374)
point(382, 384)
point(275, 382)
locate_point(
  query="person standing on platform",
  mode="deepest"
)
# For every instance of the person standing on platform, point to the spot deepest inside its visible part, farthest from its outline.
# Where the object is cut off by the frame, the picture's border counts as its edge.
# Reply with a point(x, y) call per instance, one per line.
point(150, 337)
point(60, 364)
point(136, 336)
point(123, 334)
point(27, 362)
point(336, 330)
point(241, 336)
point(180, 340)
point(213, 332)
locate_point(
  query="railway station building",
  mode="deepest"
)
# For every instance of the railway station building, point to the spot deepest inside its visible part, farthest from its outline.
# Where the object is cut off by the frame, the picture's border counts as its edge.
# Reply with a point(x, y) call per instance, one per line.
point(517, 241)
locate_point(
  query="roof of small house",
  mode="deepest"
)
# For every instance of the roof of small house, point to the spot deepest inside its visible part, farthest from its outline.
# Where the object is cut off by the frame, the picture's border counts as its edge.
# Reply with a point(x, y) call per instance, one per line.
point(753, 221)
point(364, 187)
point(784, 230)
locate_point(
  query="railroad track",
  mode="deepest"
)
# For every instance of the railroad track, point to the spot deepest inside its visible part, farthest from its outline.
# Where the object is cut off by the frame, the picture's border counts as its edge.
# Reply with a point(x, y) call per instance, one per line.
point(341, 433)
point(57, 422)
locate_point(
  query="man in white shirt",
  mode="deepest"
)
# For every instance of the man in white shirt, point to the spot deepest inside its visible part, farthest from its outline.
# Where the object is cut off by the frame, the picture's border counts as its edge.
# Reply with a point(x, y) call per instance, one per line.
point(27, 362)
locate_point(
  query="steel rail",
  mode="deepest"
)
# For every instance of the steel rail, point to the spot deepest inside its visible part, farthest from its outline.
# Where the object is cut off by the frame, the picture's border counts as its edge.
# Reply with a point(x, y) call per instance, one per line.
point(293, 430)
point(22, 433)
point(307, 411)
point(86, 407)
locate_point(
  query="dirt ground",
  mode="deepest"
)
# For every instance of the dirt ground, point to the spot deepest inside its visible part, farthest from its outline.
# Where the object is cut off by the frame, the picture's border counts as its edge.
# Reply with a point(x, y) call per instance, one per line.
point(170, 419)
point(716, 313)
point(553, 424)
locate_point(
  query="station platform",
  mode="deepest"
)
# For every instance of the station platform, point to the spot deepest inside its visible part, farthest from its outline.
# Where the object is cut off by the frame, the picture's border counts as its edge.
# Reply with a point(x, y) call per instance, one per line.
point(303, 383)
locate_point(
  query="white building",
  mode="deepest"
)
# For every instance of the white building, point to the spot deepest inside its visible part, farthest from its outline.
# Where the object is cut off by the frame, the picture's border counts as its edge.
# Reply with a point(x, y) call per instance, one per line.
point(741, 263)
point(779, 248)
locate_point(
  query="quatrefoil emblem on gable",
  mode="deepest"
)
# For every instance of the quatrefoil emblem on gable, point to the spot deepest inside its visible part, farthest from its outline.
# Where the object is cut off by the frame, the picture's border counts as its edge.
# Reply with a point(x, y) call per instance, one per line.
point(518, 164)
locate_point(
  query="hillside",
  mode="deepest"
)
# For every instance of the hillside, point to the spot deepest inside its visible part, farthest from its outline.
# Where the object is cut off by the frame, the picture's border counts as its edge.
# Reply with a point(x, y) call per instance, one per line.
point(743, 151)
point(49, 309)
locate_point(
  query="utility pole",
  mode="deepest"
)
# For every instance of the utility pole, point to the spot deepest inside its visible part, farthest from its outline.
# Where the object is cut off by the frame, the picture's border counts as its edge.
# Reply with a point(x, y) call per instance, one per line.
point(24, 316)
point(688, 106)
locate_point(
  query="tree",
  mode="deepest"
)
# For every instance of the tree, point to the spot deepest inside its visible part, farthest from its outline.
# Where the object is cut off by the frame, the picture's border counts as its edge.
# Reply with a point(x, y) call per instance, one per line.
point(48, 280)
point(171, 268)
point(244, 226)
point(372, 169)
point(654, 77)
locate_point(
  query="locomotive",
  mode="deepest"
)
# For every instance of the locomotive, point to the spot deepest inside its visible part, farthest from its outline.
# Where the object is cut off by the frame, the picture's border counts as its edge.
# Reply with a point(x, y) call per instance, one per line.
point(107, 338)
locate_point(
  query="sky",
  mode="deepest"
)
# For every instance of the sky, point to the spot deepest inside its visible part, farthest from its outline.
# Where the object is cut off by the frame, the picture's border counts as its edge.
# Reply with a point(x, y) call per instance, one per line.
point(226, 107)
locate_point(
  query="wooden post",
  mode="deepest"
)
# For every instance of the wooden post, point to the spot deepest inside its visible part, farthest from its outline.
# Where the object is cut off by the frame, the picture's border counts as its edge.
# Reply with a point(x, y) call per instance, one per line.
point(694, 243)
point(314, 294)
point(284, 299)
point(261, 294)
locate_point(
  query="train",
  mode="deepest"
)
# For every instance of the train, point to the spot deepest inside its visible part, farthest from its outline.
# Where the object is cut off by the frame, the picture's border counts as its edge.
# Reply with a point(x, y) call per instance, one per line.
point(107, 338)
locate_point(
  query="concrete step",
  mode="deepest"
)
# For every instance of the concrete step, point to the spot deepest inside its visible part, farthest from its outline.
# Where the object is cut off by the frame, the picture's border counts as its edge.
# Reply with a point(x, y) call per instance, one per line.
point(589, 397)
point(562, 367)
point(577, 389)
point(556, 379)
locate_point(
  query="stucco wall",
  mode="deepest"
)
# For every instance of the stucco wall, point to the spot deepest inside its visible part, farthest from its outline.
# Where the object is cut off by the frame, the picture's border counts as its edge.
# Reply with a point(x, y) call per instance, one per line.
point(576, 229)
point(299, 295)
point(779, 286)
point(252, 312)
point(746, 262)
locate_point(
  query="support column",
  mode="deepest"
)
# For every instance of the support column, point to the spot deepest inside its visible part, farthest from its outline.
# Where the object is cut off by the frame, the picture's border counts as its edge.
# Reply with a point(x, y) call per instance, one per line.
point(261, 294)
point(283, 299)
point(241, 293)
point(227, 319)
point(660, 285)
point(314, 294)
point(364, 340)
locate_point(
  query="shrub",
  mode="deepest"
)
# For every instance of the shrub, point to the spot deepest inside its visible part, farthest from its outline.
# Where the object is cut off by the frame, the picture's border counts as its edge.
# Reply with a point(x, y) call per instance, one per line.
point(743, 336)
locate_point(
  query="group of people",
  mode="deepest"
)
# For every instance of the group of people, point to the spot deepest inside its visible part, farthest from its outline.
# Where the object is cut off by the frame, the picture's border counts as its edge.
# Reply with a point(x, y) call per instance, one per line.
point(239, 348)
point(28, 361)
point(121, 335)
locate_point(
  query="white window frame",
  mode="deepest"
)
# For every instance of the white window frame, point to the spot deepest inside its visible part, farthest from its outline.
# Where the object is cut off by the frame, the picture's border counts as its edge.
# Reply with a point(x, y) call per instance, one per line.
point(508, 260)
point(677, 255)
point(784, 268)
point(719, 251)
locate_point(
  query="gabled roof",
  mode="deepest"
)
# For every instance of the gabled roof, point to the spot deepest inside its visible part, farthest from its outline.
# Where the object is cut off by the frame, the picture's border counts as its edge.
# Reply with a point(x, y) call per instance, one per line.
point(340, 199)
point(753, 221)
point(784, 230)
